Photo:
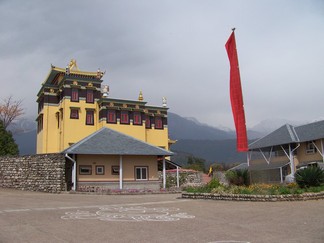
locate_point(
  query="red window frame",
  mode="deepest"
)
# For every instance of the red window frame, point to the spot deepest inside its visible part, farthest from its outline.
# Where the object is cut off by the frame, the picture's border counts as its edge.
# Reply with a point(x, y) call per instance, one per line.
point(90, 117)
point(158, 122)
point(147, 122)
point(75, 95)
point(124, 117)
point(74, 114)
point(111, 116)
point(89, 97)
point(137, 119)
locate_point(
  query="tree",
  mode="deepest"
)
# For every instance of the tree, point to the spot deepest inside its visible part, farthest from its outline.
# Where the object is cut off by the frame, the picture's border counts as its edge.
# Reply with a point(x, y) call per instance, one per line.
point(8, 145)
point(10, 110)
point(196, 163)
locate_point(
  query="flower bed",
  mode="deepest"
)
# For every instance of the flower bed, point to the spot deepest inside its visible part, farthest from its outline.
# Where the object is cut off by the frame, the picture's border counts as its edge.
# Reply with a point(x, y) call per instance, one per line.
point(249, 197)
point(256, 192)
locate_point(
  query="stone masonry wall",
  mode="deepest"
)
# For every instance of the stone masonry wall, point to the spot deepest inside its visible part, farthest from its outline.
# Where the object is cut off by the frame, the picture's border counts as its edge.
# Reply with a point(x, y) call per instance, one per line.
point(45, 172)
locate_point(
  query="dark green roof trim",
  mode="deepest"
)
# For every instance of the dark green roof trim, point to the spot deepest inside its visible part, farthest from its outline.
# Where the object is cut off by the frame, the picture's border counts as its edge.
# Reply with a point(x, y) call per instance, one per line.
point(122, 101)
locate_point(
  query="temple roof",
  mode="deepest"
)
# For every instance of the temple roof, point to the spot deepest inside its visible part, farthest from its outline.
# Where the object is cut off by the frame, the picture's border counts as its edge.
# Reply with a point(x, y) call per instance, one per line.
point(71, 70)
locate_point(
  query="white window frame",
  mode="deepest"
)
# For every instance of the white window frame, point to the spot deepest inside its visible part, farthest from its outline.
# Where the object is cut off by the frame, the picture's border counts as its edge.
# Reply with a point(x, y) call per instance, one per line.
point(98, 168)
point(310, 147)
point(85, 167)
point(141, 168)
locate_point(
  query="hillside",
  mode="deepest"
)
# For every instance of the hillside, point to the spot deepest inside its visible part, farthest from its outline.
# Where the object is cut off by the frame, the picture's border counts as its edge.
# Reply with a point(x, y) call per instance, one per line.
point(193, 138)
point(185, 128)
point(220, 151)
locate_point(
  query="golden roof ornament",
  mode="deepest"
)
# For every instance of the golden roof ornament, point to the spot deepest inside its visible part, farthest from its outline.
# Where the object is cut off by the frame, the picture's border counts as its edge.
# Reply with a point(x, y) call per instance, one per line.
point(73, 65)
point(140, 96)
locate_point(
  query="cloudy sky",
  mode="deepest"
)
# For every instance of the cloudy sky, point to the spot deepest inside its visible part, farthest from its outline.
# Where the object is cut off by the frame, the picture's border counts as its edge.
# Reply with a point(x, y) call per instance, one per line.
point(173, 48)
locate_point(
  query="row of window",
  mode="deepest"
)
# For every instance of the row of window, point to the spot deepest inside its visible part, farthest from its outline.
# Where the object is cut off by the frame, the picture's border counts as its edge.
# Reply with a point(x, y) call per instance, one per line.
point(140, 172)
point(124, 118)
point(75, 95)
point(74, 114)
point(137, 119)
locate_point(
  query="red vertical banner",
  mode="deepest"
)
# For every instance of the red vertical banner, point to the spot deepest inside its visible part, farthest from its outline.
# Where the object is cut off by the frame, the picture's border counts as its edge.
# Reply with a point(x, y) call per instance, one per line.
point(236, 95)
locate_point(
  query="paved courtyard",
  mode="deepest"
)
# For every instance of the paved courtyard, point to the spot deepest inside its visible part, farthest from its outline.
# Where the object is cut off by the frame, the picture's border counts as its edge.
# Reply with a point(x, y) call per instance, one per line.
point(41, 217)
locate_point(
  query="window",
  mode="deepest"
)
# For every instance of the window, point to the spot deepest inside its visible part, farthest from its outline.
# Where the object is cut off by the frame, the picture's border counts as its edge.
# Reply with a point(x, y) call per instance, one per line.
point(90, 118)
point(100, 169)
point(89, 98)
point(74, 113)
point(75, 95)
point(310, 147)
point(147, 122)
point(141, 173)
point(111, 116)
point(40, 123)
point(137, 118)
point(158, 122)
point(115, 170)
point(40, 105)
point(124, 118)
point(85, 169)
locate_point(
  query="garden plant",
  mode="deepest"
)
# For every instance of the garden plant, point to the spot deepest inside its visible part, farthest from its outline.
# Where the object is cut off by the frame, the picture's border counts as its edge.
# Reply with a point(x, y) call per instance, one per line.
point(236, 185)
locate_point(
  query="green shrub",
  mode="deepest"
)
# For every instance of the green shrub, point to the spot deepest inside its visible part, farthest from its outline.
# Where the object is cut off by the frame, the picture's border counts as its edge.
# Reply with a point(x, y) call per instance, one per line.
point(284, 190)
point(214, 183)
point(238, 177)
point(311, 176)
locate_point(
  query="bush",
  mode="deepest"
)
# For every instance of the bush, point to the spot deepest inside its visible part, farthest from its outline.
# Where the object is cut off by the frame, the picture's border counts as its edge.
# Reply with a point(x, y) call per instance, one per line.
point(310, 177)
point(214, 183)
point(238, 177)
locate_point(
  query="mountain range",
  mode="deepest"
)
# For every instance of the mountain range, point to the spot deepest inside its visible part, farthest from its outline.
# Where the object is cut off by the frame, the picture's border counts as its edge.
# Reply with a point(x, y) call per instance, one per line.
point(193, 139)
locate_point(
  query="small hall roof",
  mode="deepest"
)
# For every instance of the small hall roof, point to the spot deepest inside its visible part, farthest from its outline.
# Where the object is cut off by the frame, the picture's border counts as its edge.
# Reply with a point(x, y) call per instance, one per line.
point(107, 141)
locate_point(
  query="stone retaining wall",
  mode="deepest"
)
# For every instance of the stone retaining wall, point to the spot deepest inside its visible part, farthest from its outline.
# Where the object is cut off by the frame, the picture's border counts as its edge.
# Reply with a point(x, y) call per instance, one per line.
point(259, 198)
point(45, 172)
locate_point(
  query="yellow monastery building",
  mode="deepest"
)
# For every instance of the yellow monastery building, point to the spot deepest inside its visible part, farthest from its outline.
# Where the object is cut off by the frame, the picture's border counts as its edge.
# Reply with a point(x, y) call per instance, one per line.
point(72, 105)
point(76, 113)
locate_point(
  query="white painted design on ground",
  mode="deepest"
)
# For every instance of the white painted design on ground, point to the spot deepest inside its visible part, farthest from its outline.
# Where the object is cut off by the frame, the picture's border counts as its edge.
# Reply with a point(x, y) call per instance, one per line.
point(135, 213)
point(18, 210)
point(229, 241)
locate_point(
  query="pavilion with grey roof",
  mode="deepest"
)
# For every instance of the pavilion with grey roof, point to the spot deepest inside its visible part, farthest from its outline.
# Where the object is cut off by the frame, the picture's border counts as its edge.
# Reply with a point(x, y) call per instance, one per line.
point(107, 148)
point(285, 150)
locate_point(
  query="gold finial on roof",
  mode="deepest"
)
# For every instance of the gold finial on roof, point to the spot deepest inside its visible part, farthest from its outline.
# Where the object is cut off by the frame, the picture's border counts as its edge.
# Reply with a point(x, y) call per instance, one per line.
point(73, 65)
point(140, 96)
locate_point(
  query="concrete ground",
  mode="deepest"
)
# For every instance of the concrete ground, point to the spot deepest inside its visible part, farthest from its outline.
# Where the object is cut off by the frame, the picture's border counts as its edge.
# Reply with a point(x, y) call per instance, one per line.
point(42, 217)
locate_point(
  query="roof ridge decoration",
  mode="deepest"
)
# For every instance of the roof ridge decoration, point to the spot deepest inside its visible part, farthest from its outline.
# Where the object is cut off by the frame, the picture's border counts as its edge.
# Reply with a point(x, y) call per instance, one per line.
point(73, 65)
point(72, 68)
